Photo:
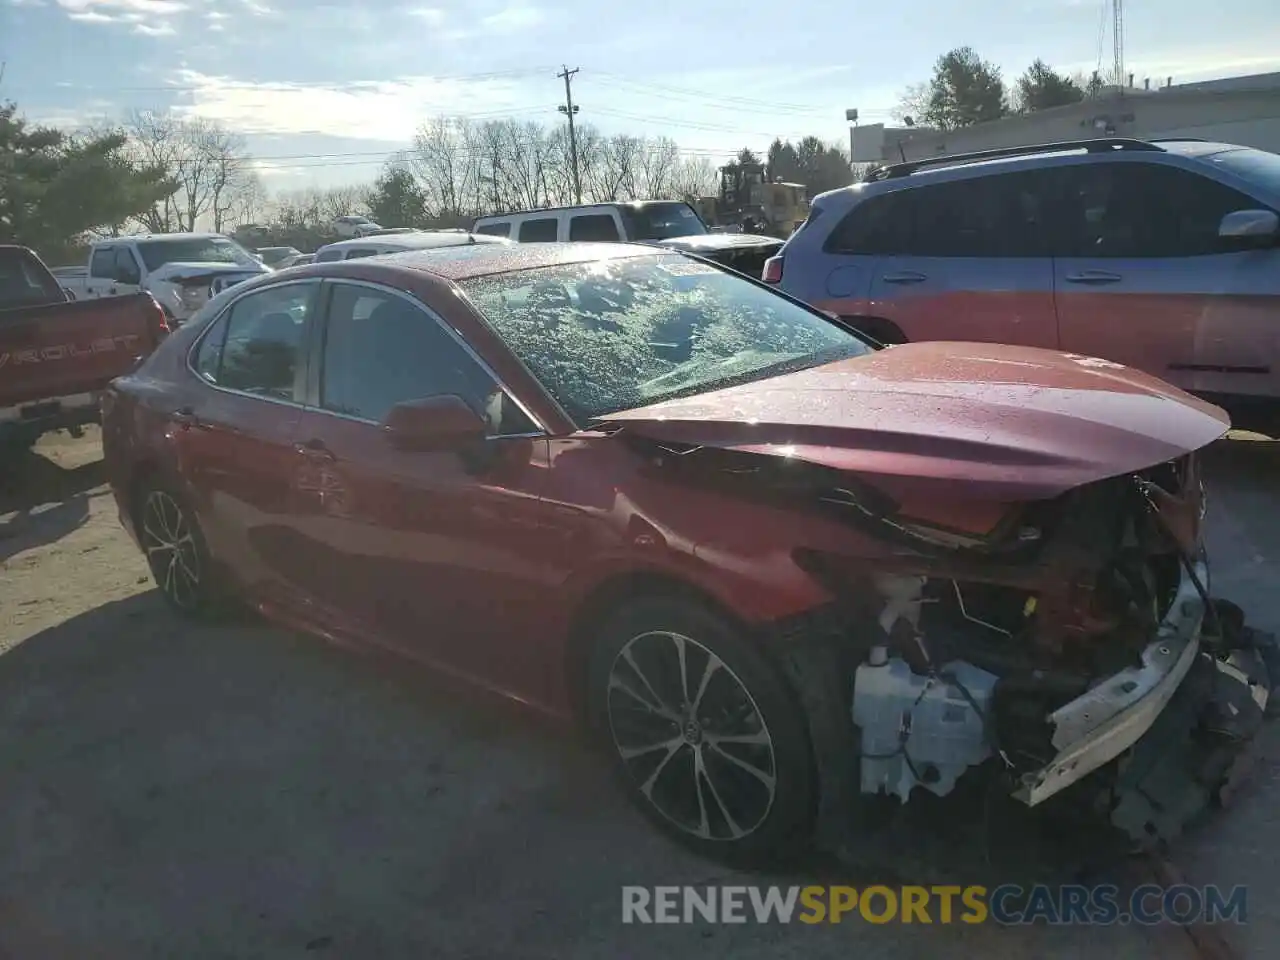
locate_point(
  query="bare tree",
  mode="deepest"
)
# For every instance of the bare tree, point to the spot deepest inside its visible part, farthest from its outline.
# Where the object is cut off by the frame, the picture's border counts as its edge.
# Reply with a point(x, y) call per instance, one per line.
point(695, 177)
point(912, 104)
point(443, 160)
point(614, 173)
point(248, 202)
point(658, 164)
point(209, 163)
point(297, 210)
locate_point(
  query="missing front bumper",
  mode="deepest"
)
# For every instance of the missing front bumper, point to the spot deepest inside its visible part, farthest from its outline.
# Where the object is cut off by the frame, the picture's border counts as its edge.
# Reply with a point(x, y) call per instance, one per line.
point(1112, 716)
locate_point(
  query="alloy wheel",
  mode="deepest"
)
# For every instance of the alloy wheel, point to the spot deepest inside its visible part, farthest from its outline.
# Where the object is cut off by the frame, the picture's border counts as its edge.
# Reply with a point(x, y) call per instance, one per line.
point(170, 545)
point(691, 736)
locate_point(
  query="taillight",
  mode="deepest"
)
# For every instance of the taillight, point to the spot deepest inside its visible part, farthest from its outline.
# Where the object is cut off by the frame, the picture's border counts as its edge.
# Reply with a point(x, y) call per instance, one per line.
point(772, 270)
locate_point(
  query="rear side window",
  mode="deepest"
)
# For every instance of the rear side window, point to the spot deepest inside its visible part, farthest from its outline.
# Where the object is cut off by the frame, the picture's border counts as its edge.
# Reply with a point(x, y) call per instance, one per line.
point(997, 216)
point(209, 354)
point(103, 263)
point(501, 229)
point(263, 342)
point(542, 230)
point(328, 256)
point(594, 226)
point(878, 226)
point(359, 252)
point(1127, 210)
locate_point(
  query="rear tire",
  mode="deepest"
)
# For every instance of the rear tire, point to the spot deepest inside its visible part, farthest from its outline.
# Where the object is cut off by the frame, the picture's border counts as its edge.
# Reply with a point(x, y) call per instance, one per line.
point(703, 732)
point(176, 552)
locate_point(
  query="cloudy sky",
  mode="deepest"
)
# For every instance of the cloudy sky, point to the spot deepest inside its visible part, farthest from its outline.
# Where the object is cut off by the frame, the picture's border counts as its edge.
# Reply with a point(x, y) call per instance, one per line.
point(326, 90)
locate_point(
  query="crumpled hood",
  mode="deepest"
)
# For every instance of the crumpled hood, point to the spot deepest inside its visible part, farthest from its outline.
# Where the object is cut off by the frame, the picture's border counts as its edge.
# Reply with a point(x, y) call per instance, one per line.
point(180, 271)
point(1011, 423)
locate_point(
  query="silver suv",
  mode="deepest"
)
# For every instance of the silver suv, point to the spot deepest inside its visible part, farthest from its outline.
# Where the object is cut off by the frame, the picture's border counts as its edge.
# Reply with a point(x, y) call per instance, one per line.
point(1161, 255)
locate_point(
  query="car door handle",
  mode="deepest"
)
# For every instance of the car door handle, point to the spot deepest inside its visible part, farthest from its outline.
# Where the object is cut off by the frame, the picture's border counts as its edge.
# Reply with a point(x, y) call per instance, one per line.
point(905, 276)
point(314, 449)
point(186, 417)
point(1093, 277)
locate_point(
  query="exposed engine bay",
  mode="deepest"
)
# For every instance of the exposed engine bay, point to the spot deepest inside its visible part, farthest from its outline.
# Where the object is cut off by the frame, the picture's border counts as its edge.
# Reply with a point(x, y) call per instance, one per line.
point(1054, 675)
point(1064, 643)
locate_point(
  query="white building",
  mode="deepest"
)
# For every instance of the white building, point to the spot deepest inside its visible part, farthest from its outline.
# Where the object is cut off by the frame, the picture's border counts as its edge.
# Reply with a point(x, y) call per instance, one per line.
point(1243, 110)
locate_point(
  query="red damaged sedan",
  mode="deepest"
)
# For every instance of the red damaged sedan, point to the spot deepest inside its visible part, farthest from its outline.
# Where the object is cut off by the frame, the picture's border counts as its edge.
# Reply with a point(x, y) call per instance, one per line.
point(774, 568)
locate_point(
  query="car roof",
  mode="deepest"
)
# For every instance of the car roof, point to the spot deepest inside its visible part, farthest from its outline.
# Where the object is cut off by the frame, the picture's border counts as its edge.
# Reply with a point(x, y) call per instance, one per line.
point(162, 237)
point(419, 240)
point(601, 205)
point(464, 262)
point(940, 169)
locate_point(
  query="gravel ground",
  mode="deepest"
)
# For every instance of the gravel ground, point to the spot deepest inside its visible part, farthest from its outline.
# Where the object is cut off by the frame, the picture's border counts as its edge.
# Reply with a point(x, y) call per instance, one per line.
point(240, 791)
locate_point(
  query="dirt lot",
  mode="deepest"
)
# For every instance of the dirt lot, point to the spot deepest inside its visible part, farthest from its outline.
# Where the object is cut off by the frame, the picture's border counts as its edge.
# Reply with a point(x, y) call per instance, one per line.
point(171, 791)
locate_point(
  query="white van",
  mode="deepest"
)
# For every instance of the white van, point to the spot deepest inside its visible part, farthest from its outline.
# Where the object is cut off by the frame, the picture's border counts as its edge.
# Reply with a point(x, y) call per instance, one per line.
point(398, 243)
point(636, 221)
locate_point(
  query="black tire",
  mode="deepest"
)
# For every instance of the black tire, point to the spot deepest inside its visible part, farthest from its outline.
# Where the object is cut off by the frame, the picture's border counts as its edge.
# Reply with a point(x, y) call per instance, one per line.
point(661, 756)
point(176, 552)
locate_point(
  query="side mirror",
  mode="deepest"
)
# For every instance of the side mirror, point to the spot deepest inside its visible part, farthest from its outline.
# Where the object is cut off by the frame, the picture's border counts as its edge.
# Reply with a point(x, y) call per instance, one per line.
point(433, 423)
point(1250, 225)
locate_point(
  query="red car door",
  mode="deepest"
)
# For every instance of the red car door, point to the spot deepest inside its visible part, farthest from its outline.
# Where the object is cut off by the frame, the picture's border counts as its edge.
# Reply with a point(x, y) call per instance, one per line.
point(233, 428)
point(438, 554)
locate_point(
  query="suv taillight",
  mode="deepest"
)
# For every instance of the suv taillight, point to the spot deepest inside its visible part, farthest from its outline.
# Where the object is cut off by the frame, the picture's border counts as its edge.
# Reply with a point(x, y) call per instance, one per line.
point(772, 270)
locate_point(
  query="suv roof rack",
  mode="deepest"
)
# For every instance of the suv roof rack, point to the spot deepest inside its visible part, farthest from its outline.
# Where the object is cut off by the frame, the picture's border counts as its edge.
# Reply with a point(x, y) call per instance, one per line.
point(895, 170)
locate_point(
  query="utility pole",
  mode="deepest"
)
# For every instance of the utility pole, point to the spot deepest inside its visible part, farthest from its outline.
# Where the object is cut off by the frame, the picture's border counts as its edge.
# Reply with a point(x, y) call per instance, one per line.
point(568, 109)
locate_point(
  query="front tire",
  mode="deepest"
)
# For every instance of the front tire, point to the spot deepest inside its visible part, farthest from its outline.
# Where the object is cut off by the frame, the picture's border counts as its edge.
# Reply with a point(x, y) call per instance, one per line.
point(175, 549)
point(703, 731)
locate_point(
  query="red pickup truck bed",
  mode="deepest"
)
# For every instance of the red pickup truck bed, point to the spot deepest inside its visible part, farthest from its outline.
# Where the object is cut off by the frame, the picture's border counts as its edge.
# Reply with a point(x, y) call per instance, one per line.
point(56, 356)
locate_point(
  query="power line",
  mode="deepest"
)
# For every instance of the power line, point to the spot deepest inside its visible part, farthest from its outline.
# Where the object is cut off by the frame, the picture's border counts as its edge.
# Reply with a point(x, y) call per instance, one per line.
point(742, 104)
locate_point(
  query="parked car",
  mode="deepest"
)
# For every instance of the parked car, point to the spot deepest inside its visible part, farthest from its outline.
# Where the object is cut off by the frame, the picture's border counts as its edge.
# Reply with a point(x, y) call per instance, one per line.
point(56, 355)
point(645, 220)
point(744, 252)
point(181, 270)
point(398, 243)
point(354, 226)
point(760, 558)
point(275, 257)
point(670, 223)
point(1164, 256)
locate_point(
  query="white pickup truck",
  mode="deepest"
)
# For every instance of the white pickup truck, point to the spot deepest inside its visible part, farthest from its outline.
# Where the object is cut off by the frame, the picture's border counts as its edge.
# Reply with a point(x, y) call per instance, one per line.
point(181, 270)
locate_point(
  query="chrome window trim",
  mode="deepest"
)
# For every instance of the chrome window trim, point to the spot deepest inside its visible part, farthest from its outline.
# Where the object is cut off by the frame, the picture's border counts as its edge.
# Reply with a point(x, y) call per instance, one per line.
point(227, 308)
point(457, 338)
